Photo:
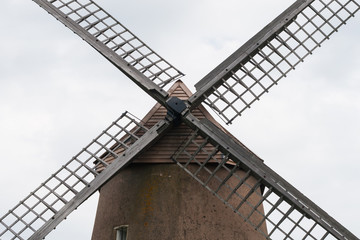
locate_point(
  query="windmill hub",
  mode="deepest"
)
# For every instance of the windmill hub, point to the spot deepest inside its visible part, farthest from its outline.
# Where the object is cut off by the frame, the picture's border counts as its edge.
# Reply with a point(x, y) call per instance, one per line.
point(175, 107)
point(204, 149)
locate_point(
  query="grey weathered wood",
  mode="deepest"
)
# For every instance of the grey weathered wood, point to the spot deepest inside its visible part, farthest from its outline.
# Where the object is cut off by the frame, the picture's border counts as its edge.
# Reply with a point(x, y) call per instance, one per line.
point(236, 151)
point(250, 161)
point(125, 158)
point(206, 85)
point(137, 77)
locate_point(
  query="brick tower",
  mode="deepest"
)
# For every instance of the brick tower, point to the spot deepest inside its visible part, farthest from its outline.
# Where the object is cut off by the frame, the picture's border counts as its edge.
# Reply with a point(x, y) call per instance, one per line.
point(153, 198)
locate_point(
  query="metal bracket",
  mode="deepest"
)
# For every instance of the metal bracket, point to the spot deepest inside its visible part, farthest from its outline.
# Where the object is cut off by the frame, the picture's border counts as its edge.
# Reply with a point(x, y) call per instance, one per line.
point(175, 107)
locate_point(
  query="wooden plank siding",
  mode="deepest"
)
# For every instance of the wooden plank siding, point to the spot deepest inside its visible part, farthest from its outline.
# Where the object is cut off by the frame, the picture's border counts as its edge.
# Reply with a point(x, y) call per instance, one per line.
point(162, 151)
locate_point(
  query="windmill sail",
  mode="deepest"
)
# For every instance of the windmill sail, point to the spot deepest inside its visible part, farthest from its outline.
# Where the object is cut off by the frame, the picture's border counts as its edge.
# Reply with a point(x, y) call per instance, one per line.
point(249, 186)
point(44, 208)
point(251, 189)
point(114, 41)
point(260, 63)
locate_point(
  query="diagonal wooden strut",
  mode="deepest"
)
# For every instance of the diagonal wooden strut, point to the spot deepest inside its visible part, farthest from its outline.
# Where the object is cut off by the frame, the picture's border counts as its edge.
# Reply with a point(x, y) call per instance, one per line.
point(282, 200)
point(123, 49)
point(213, 79)
point(239, 81)
point(268, 184)
point(121, 161)
point(44, 208)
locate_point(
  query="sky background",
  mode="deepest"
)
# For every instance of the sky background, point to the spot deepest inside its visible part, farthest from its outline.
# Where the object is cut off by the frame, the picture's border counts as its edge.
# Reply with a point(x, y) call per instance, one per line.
point(57, 93)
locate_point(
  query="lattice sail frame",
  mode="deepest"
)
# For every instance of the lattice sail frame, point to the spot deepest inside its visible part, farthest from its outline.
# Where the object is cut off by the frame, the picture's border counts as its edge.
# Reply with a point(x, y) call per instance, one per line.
point(115, 36)
point(277, 56)
point(247, 194)
point(58, 191)
point(93, 19)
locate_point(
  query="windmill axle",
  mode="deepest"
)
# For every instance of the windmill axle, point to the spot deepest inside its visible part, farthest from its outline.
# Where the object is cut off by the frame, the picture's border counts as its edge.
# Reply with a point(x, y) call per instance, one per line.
point(175, 107)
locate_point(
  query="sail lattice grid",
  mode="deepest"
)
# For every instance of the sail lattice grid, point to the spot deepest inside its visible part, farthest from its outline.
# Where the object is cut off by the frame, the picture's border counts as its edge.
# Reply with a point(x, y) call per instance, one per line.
point(259, 203)
point(278, 55)
point(107, 30)
point(58, 191)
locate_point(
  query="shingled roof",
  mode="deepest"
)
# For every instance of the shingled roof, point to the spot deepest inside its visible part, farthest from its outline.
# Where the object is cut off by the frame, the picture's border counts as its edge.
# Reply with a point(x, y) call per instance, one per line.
point(165, 147)
point(162, 151)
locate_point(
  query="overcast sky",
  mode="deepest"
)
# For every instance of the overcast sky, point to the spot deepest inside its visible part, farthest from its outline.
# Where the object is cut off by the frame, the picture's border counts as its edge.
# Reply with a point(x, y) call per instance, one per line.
point(57, 93)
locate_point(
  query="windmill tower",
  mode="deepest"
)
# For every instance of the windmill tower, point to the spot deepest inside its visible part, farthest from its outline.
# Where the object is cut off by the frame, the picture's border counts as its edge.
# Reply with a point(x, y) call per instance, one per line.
point(155, 204)
point(229, 89)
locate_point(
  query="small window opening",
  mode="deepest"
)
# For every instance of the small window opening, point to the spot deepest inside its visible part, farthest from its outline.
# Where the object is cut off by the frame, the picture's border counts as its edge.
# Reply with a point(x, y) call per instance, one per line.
point(121, 232)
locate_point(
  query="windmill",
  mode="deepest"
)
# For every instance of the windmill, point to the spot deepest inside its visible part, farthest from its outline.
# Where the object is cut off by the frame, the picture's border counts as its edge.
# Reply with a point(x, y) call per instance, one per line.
point(229, 119)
